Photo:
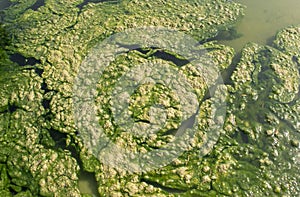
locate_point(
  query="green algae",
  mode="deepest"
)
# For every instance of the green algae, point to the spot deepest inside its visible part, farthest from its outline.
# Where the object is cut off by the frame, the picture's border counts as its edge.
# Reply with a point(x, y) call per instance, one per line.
point(256, 153)
point(254, 116)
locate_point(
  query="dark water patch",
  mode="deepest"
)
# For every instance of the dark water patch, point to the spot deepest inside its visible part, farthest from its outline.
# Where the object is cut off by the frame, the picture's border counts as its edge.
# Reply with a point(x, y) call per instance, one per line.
point(44, 87)
point(13, 191)
point(161, 54)
point(169, 57)
point(46, 103)
point(37, 4)
point(240, 136)
point(230, 33)
point(5, 4)
point(59, 138)
point(39, 71)
point(23, 61)
point(227, 73)
point(12, 108)
point(244, 137)
point(143, 121)
point(137, 48)
point(171, 132)
point(296, 60)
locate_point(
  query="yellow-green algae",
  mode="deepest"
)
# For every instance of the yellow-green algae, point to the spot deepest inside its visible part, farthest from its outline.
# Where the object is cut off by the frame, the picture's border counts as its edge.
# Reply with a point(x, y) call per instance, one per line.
point(256, 154)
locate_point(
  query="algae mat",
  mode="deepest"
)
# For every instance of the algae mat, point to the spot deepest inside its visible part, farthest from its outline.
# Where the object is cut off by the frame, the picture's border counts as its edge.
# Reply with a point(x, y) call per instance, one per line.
point(130, 94)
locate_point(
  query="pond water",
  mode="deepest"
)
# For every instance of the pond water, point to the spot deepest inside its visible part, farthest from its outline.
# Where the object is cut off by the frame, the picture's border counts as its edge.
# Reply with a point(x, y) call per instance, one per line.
point(263, 18)
point(87, 184)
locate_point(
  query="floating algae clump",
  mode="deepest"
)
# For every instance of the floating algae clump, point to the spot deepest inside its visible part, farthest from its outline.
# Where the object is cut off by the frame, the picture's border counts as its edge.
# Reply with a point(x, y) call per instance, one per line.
point(42, 148)
point(288, 40)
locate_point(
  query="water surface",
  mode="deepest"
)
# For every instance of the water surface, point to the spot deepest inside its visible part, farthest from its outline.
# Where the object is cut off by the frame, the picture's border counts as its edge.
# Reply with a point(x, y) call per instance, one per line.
point(263, 18)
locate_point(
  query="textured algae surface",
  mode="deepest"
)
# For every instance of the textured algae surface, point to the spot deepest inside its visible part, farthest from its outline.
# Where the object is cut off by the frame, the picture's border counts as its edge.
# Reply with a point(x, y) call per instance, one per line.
point(41, 153)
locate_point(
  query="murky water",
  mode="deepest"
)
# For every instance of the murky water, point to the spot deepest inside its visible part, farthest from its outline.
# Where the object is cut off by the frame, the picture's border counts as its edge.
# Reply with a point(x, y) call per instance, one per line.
point(4, 4)
point(263, 18)
point(87, 184)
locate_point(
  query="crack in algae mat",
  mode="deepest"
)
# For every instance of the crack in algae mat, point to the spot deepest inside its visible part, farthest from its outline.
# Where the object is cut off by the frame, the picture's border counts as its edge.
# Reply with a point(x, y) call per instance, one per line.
point(139, 96)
